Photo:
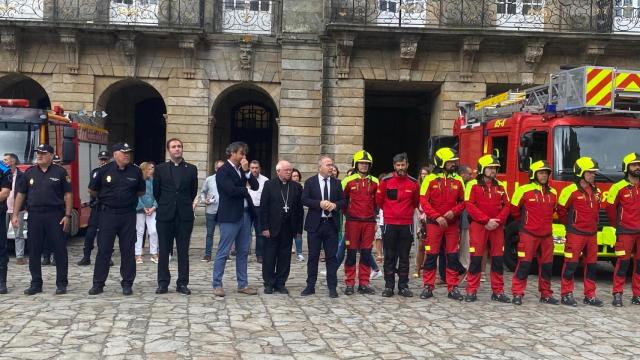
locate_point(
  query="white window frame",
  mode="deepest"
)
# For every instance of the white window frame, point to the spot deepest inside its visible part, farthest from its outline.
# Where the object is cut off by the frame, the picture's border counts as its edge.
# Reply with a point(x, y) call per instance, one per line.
point(414, 13)
point(626, 17)
point(134, 12)
point(28, 10)
point(245, 20)
point(520, 15)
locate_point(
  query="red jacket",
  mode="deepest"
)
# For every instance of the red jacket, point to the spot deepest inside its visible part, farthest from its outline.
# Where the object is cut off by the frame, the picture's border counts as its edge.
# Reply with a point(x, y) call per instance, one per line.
point(487, 202)
point(579, 209)
point(534, 206)
point(398, 197)
point(439, 194)
point(361, 197)
point(623, 207)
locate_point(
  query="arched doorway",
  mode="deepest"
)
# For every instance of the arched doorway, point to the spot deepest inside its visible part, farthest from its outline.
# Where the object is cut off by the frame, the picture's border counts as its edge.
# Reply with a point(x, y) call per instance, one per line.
point(18, 86)
point(247, 114)
point(136, 114)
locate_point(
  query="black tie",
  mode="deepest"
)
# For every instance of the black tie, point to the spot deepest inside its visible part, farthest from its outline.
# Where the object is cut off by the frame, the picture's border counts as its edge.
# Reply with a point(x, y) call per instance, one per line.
point(325, 195)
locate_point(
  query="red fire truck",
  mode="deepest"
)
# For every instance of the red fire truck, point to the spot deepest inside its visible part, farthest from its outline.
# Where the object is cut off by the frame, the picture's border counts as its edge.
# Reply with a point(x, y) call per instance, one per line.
point(77, 139)
point(585, 111)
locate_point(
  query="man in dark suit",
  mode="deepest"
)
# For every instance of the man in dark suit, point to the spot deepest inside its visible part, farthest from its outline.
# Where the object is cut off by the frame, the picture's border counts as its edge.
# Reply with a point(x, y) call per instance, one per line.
point(234, 216)
point(323, 196)
point(175, 185)
point(281, 216)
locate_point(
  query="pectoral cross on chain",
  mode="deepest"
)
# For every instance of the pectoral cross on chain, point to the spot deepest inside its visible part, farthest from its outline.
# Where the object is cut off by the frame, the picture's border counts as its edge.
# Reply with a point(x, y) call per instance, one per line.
point(286, 208)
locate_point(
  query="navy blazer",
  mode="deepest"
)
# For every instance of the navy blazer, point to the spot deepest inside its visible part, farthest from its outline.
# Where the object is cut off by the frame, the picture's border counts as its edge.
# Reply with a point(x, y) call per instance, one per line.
point(312, 196)
point(233, 191)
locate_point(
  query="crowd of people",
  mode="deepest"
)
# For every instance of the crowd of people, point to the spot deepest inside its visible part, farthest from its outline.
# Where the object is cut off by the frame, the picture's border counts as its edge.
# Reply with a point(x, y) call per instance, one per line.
point(454, 215)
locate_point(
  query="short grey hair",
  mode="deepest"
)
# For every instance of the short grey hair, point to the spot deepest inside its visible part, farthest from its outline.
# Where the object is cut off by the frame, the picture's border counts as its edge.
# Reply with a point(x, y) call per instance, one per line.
point(322, 157)
point(283, 163)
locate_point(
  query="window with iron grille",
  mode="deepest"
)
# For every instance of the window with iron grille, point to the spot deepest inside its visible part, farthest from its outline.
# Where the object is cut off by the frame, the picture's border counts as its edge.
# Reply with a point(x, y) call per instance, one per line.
point(252, 117)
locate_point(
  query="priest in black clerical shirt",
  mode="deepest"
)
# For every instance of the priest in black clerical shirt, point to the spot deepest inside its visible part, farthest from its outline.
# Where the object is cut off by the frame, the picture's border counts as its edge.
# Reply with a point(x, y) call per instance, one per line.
point(281, 217)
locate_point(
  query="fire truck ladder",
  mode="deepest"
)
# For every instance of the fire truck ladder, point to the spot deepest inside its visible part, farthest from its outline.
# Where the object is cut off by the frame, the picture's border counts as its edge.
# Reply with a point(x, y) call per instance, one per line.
point(587, 89)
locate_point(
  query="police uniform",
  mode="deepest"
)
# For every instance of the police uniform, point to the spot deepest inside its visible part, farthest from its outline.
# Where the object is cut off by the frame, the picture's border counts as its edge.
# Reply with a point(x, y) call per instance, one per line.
point(4, 258)
point(92, 226)
point(118, 191)
point(45, 191)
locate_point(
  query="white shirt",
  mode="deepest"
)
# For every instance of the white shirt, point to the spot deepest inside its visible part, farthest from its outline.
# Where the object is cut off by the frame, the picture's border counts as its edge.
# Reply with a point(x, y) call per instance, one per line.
point(321, 182)
point(210, 191)
point(256, 194)
point(247, 175)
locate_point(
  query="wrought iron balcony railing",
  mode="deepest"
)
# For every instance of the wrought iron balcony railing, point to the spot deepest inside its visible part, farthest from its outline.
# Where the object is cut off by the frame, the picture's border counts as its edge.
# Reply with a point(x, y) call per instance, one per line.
point(248, 16)
point(161, 13)
point(587, 16)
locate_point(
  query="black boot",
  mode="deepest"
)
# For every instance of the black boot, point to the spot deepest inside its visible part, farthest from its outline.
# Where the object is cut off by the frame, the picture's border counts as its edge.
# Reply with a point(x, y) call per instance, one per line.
point(3, 280)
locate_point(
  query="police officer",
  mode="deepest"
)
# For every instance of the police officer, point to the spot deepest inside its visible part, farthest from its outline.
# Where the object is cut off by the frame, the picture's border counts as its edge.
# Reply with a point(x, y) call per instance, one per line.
point(117, 186)
point(92, 228)
point(5, 190)
point(47, 188)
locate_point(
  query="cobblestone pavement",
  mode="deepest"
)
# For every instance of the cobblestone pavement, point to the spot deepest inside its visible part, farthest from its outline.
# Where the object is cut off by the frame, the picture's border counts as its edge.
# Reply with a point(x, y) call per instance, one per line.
point(200, 326)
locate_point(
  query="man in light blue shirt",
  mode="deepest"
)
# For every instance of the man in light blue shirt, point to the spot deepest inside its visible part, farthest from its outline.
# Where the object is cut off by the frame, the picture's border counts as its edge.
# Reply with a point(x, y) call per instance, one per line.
point(209, 196)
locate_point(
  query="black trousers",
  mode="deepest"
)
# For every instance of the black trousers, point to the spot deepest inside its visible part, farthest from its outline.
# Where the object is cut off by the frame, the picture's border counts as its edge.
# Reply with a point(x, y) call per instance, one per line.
point(276, 258)
point(325, 238)
point(44, 227)
point(397, 240)
point(123, 225)
point(92, 231)
point(4, 257)
point(179, 230)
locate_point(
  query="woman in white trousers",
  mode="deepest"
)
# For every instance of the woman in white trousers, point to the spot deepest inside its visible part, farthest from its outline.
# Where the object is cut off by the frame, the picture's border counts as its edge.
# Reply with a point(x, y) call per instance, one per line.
point(146, 216)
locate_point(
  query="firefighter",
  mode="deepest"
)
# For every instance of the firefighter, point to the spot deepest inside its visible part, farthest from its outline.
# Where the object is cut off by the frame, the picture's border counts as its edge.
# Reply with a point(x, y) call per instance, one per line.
point(487, 204)
point(398, 197)
point(578, 209)
point(534, 205)
point(623, 211)
point(442, 200)
point(360, 227)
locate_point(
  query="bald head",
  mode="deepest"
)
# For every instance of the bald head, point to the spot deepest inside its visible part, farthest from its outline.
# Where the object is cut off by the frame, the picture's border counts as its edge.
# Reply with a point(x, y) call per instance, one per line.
point(283, 170)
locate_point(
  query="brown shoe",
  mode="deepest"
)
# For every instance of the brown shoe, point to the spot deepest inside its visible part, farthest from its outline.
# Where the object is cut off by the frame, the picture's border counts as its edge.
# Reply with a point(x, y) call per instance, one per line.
point(219, 292)
point(206, 258)
point(248, 291)
point(21, 261)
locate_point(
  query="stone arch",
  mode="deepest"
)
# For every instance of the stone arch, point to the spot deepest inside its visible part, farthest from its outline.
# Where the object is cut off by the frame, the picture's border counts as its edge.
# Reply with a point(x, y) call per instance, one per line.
point(20, 86)
point(136, 113)
point(246, 112)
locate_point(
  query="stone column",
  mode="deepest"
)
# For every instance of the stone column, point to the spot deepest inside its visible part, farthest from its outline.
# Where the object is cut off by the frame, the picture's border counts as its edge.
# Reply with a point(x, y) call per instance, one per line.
point(445, 109)
point(187, 118)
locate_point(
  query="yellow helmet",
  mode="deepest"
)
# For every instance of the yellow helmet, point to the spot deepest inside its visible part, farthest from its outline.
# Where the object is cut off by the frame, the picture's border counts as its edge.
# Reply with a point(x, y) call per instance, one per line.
point(631, 158)
point(362, 156)
point(487, 161)
point(538, 166)
point(443, 155)
point(583, 164)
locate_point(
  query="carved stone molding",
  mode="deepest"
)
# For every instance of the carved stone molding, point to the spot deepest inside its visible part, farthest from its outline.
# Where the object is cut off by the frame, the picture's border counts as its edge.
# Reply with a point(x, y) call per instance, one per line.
point(246, 58)
point(408, 50)
point(128, 45)
point(533, 52)
point(72, 50)
point(593, 51)
point(470, 47)
point(10, 40)
point(188, 45)
point(344, 45)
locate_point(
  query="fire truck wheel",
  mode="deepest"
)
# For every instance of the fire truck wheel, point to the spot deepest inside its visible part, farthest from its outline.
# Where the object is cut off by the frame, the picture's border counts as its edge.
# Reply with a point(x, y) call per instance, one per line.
point(511, 238)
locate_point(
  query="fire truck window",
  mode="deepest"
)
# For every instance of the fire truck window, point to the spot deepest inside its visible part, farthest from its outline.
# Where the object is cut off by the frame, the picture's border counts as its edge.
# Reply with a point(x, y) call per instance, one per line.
point(538, 148)
point(500, 143)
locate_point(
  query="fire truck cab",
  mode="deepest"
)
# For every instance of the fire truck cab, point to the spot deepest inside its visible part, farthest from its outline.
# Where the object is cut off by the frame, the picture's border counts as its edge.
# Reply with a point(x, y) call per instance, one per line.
point(586, 111)
point(76, 138)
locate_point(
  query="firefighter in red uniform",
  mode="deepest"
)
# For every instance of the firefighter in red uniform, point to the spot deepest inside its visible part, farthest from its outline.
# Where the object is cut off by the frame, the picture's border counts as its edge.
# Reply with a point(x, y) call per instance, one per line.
point(442, 200)
point(487, 203)
point(398, 197)
point(534, 205)
point(623, 210)
point(578, 209)
point(360, 227)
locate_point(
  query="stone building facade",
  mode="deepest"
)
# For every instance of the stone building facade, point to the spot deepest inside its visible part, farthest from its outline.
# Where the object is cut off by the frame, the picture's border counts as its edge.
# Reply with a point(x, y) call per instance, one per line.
point(296, 78)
